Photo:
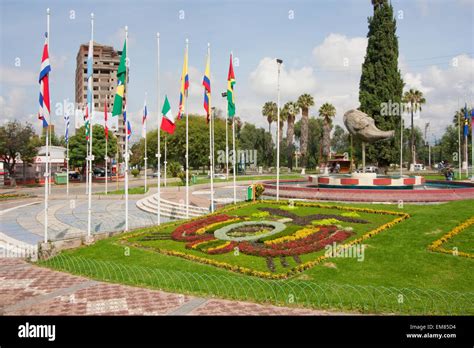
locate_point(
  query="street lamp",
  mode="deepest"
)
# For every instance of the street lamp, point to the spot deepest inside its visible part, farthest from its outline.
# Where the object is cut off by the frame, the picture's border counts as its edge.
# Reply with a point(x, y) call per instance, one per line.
point(279, 62)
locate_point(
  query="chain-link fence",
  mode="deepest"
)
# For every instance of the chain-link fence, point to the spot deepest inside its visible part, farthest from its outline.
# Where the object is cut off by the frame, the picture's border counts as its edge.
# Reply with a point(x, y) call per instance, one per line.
point(294, 292)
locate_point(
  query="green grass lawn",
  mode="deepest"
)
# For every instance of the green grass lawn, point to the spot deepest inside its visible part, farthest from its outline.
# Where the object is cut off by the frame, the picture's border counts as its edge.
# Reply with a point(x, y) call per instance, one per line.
point(397, 275)
point(464, 241)
point(139, 190)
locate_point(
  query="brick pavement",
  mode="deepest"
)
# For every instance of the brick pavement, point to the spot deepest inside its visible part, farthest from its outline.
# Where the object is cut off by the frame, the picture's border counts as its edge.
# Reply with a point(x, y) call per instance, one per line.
point(26, 289)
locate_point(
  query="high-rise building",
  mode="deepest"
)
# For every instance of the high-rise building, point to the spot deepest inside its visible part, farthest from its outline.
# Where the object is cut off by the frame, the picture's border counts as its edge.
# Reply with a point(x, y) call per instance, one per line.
point(104, 82)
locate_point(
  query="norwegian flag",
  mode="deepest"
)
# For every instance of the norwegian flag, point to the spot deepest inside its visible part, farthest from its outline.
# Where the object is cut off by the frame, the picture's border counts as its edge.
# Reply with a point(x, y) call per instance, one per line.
point(44, 102)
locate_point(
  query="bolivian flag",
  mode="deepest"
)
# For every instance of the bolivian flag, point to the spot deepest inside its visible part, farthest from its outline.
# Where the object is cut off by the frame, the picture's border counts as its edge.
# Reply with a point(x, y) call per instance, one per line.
point(230, 90)
point(121, 72)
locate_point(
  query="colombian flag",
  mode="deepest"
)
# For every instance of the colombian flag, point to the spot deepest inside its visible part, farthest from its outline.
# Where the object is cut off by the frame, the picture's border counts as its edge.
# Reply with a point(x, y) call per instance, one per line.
point(184, 85)
point(230, 90)
point(206, 82)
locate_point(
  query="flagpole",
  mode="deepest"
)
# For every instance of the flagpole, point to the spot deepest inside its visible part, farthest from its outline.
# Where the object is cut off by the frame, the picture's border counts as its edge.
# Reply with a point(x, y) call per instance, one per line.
point(144, 129)
point(401, 144)
point(226, 147)
point(279, 61)
point(459, 146)
point(472, 143)
point(233, 148)
point(233, 157)
point(91, 154)
point(46, 174)
point(187, 142)
point(165, 162)
point(159, 130)
point(106, 144)
point(67, 168)
point(211, 159)
point(126, 133)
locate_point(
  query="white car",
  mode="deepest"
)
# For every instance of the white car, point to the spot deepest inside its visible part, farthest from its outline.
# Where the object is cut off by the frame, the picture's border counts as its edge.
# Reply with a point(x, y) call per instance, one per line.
point(217, 176)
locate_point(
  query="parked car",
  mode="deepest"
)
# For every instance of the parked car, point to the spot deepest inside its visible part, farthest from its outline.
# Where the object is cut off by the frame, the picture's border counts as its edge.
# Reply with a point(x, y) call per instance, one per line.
point(419, 166)
point(219, 176)
point(100, 172)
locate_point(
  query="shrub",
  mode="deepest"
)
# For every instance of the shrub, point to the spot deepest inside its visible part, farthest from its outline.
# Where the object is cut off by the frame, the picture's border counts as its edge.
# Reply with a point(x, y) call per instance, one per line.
point(182, 176)
point(135, 172)
point(174, 168)
point(259, 189)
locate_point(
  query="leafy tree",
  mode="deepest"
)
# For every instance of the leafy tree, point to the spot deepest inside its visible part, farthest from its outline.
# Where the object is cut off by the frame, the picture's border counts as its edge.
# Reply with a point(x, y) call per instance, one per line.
point(17, 139)
point(305, 101)
point(381, 81)
point(414, 98)
point(54, 140)
point(327, 111)
point(78, 146)
point(176, 142)
point(315, 137)
point(253, 138)
point(340, 141)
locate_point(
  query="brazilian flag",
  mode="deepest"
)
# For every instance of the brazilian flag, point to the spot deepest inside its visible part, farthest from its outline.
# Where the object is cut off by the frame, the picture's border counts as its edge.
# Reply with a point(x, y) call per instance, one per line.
point(121, 72)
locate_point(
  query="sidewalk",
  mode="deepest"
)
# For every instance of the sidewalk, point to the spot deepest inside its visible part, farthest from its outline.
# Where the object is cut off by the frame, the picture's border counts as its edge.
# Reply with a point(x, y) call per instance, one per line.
point(26, 289)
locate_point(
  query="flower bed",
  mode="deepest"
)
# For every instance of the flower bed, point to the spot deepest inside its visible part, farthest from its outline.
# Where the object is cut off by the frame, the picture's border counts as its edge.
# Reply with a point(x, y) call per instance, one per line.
point(297, 251)
point(436, 245)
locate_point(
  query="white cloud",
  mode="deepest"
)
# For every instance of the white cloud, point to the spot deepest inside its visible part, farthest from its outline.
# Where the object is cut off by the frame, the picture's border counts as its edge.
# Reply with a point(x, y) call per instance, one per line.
point(338, 52)
point(293, 82)
point(18, 76)
point(445, 89)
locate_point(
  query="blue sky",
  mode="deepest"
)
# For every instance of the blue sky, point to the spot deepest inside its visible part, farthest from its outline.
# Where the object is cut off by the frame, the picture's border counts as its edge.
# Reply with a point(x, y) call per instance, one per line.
point(435, 37)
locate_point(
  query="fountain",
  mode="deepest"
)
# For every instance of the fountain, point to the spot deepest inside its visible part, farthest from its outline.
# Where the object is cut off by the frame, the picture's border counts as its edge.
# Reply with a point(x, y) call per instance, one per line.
point(369, 187)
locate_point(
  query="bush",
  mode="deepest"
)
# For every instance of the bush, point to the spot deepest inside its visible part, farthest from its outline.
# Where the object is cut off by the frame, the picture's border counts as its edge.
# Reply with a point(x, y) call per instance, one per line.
point(182, 176)
point(135, 172)
point(173, 168)
point(259, 189)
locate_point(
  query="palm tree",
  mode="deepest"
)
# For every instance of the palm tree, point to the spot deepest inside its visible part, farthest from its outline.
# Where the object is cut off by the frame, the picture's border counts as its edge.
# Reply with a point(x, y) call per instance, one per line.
point(414, 98)
point(269, 111)
point(327, 111)
point(290, 110)
point(305, 101)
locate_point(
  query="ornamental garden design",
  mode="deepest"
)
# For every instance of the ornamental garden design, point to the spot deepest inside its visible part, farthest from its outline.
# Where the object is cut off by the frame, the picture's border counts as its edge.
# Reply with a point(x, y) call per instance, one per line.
point(267, 239)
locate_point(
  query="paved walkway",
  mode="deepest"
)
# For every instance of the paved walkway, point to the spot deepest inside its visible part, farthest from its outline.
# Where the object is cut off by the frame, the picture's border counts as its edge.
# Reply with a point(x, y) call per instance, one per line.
point(68, 218)
point(26, 289)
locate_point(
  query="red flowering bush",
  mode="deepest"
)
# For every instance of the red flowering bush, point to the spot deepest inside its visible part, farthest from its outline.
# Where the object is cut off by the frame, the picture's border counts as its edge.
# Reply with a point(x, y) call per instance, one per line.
point(187, 232)
point(302, 246)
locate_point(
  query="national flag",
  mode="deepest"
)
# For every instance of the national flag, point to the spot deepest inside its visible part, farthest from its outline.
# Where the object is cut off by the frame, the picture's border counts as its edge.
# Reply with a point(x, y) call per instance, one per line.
point(119, 93)
point(106, 127)
point(90, 72)
point(184, 86)
point(167, 121)
point(230, 90)
point(206, 82)
point(66, 132)
point(145, 114)
point(129, 130)
point(44, 102)
point(466, 121)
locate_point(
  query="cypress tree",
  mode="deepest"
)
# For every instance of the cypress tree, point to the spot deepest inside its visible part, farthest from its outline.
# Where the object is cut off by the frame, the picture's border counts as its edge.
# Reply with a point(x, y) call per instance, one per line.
point(381, 81)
